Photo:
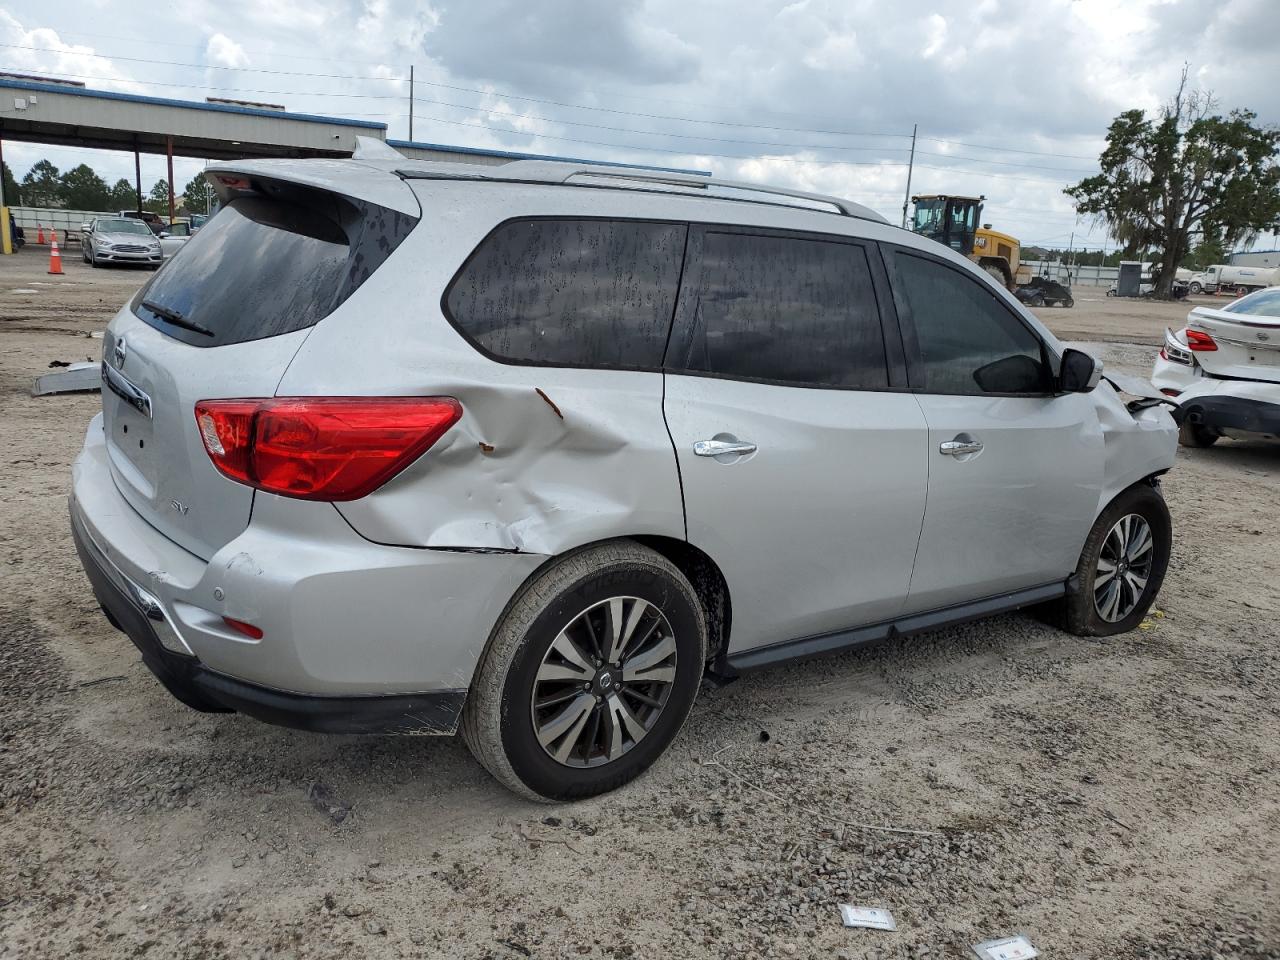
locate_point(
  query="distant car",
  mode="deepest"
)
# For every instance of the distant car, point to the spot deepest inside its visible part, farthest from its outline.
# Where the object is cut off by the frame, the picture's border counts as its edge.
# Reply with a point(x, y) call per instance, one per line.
point(1224, 369)
point(1146, 288)
point(1043, 292)
point(152, 220)
point(173, 237)
point(120, 240)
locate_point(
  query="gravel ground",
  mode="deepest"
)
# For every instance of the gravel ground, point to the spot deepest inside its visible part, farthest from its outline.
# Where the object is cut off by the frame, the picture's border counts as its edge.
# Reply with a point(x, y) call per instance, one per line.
point(1109, 799)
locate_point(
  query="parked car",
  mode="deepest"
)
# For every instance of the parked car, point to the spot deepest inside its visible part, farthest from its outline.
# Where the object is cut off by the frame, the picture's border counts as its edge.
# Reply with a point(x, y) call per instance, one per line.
point(173, 236)
point(111, 240)
point(1044, 292)
point(528, 450)
point(1224, 369)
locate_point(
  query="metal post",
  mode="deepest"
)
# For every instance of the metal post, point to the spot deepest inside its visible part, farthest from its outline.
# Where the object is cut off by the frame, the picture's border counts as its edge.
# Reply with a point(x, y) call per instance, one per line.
point(137, 174)
point(6, 241)
point(169, 147)
point(910, 166)
point(410, 103)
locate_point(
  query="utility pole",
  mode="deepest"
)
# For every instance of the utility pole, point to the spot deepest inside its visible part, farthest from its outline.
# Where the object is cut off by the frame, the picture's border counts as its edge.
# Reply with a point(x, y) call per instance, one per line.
point(910, 165)
point(411, 103)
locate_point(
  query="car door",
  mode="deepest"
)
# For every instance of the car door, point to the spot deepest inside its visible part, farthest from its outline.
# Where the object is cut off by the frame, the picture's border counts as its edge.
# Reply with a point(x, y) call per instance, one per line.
point(802, 457)
point(1015, 468)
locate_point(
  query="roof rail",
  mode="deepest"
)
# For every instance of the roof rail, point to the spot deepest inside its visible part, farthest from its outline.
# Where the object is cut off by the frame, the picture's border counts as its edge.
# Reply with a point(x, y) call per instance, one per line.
point(551, 172)
point(846, 207)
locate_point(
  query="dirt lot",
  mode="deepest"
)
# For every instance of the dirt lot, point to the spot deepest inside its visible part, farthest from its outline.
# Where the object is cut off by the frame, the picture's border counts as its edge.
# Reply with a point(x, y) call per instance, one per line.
point(1110, 799)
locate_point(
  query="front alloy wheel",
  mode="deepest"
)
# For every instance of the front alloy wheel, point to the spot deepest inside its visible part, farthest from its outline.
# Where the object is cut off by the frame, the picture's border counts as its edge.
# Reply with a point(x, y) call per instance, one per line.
point(1124, 567)
point(603, 682)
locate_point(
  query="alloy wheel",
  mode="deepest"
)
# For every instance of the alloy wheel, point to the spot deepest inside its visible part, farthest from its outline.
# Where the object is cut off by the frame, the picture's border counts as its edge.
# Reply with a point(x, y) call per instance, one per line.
point(603, 682)
point(1124, 567)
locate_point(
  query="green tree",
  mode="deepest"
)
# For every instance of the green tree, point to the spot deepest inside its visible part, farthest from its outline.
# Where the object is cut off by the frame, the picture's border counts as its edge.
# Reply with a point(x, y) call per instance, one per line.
point(83, 189)
point(198, 195)
point(158, 199)
point(1183, 172)
point(12, 195)
point(122, 196)
point(41, 186)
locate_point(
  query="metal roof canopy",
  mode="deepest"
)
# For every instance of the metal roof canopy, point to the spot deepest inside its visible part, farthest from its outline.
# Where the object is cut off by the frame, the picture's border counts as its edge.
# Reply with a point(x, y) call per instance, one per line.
point(78, 117)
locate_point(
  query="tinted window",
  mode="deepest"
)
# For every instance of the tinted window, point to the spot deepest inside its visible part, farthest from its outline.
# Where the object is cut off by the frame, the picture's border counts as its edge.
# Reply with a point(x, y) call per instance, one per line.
point(266, 266)
point(779, 308)
point(594, 293)
point(969, 341)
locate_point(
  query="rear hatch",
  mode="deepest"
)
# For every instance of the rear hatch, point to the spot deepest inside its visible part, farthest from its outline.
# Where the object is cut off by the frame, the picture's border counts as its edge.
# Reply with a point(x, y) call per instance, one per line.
point(223, 319)
point(1247, 334)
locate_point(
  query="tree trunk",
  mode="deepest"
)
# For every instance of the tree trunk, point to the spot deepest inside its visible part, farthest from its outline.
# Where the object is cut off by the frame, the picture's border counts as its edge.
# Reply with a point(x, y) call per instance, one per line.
point(1168, 270)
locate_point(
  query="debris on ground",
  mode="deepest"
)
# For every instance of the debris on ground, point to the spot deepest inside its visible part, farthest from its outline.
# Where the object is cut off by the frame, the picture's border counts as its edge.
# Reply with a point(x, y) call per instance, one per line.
point(873, 918)
point(1006, 948)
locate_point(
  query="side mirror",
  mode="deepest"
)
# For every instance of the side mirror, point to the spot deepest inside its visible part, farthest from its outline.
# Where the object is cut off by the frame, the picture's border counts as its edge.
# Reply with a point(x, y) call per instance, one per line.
point(164, 235)
point(1079, 373)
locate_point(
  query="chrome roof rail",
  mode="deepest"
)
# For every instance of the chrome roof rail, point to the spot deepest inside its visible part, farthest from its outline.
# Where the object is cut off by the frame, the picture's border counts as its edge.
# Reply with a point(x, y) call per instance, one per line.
point(565, 174)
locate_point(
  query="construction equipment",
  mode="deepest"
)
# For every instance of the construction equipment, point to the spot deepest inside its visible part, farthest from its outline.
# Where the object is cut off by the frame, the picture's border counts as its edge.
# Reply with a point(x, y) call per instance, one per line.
point(953, 222)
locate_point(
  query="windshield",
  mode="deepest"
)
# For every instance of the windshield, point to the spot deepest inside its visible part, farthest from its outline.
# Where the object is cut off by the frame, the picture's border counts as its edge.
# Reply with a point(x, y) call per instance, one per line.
point(1264, 303)
point(123, 226)
point(929, 216)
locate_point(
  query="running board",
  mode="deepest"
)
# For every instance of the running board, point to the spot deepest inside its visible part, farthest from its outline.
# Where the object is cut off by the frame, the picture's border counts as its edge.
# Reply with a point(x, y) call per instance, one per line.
point(829, 643)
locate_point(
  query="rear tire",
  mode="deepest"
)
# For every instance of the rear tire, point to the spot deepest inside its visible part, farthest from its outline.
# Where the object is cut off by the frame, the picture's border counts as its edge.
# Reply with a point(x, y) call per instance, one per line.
point(543, 715)
point(1117, 580)
point(1194, 435)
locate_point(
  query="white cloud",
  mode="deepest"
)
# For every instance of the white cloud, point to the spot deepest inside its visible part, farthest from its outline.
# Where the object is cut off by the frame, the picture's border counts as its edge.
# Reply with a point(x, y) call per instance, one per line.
point(42, 51)
point(222, 51)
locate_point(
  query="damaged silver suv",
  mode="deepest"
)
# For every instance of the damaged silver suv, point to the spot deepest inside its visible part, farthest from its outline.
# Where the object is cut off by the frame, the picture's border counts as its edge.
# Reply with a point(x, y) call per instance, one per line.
point(530, 450)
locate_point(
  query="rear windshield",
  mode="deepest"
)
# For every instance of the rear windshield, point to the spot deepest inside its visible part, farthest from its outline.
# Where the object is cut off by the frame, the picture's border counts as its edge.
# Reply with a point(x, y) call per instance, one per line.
point(269, 265)
point(1264, 303)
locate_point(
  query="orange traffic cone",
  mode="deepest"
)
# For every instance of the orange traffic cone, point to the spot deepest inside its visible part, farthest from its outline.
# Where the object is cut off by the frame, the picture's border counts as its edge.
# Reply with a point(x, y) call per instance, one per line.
point(40, 233)
point(55, 259)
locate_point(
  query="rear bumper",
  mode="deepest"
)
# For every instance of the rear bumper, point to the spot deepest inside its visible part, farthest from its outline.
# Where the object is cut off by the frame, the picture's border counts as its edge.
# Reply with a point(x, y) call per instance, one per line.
point(1245, 406)
point(1235, 413)
point(207, 690)
point(357, 637)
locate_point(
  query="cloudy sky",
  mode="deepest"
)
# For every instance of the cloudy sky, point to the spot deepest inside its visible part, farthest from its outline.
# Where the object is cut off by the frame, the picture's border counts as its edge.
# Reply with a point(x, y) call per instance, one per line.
point(1012, 98)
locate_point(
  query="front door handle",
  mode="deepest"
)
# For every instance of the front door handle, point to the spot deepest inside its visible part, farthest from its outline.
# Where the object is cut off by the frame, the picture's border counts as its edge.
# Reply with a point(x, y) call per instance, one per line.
point(720, 448)
point(959, 448)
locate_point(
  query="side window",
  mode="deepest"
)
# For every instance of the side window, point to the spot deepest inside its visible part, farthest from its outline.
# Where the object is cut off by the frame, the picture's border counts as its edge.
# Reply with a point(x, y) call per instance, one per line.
point(786, 309)
point(970, 343)
point(596, 293)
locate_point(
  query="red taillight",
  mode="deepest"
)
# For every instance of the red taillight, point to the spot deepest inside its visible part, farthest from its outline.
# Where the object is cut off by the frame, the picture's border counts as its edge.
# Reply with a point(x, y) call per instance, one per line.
point(248, 629)
point(321, 448)
point(1200, 341)
point(1163, 355)
point(1169, 392)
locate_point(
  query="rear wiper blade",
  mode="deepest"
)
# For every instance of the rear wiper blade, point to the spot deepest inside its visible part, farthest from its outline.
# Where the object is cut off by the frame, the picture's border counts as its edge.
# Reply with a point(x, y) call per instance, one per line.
point(176, 318)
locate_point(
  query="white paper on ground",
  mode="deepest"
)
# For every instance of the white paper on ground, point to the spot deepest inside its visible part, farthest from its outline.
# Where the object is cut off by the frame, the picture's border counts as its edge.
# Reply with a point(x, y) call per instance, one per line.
point(870, 917)
point(1006, 948)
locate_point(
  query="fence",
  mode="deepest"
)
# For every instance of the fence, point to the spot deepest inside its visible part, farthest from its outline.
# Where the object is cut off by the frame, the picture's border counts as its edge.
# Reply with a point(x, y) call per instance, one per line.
point(65, 224)
point(1074, 274)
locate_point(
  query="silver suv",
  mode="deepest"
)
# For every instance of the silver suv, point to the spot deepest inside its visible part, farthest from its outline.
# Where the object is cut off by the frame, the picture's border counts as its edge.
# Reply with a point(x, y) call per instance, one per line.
point(532, 450)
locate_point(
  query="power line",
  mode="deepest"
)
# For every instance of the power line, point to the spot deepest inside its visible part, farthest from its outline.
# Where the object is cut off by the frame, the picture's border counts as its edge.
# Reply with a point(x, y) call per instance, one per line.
point(683, 153)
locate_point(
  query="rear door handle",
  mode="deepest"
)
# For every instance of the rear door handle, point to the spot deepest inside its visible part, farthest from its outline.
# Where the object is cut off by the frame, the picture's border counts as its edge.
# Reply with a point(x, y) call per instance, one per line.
point(959, 448)
point(719, 448)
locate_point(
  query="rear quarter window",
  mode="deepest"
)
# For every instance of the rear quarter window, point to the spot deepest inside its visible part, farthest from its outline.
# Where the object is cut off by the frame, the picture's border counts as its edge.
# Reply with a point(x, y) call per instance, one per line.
point(267, 265)
point(560, 292)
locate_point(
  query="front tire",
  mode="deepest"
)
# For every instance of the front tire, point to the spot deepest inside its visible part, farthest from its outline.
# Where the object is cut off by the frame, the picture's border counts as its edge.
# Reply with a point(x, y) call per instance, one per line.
point(1196, 288)
point(1122, 565)
point(589, 675)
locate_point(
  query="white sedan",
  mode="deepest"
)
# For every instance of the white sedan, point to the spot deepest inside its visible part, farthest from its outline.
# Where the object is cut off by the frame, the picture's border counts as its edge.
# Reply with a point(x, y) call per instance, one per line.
point(1224, 369)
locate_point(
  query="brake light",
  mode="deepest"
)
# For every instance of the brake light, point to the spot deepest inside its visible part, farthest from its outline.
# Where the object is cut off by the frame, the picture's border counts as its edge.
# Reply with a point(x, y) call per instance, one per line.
point(321, 448)
point(1200, 341)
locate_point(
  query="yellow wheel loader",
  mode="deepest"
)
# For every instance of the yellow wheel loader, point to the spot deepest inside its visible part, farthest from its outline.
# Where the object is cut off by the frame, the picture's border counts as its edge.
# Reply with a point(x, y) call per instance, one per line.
point(953, 222)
